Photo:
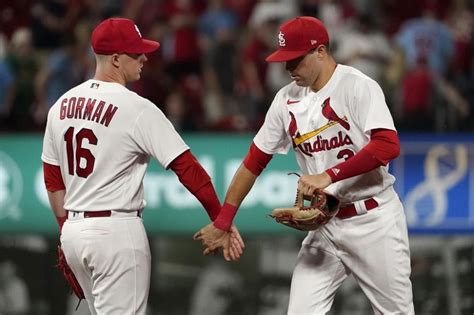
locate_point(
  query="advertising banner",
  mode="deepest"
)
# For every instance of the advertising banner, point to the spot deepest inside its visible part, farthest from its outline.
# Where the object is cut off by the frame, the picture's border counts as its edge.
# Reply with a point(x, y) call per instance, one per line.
point(435, 180)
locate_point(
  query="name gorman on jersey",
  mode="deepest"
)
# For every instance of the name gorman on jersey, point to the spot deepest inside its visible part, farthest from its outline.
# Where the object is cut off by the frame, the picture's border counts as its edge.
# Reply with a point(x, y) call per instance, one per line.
point(90, 109)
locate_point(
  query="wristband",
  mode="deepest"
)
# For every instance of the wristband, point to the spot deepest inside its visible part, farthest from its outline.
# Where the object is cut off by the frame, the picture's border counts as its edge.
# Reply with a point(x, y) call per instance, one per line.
point(225, 217)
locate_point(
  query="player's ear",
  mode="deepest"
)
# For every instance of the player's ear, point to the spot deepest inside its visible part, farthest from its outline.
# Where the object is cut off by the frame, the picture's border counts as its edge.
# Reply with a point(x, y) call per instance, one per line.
point(323, 50)
point(115, 60)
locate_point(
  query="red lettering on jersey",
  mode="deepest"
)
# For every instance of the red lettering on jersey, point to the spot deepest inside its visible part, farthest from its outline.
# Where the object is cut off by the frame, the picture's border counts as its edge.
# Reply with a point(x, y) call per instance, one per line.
point(70, 107)
point(328, 144)
point(79, 105)
point(109, 114)
point(63, 108)
point(98, 111)
point(322, 144)
point(89, 108)
point(74, 108)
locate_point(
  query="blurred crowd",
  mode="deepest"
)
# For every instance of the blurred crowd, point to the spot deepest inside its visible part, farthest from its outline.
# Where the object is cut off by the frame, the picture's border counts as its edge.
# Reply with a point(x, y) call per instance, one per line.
point(210, 74)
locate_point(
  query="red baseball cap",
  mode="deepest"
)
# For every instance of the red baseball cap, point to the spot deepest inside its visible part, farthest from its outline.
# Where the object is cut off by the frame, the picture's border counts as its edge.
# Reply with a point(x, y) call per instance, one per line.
point(119, 35)
point(298, 36)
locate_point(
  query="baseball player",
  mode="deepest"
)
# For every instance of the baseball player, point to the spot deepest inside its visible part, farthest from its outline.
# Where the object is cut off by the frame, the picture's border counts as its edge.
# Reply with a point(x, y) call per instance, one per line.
point(336, 120)
point(97, 145)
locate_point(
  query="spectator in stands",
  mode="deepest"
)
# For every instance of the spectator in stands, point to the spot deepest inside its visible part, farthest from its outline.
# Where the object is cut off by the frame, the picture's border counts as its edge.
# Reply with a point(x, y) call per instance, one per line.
point(177, 111)
point(180, 47)
point(426, 38)
point(23, 63)
point(52, 21)
point(461, 23)
point(252, 91)
point(14, 14)
point(363, 46)
point(218, 42)
point(6, 86)
point(430, 102)
point(63, 68)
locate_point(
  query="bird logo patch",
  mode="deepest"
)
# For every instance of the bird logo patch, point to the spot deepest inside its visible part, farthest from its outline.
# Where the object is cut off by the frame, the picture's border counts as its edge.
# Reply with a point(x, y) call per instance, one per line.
point(319, 142)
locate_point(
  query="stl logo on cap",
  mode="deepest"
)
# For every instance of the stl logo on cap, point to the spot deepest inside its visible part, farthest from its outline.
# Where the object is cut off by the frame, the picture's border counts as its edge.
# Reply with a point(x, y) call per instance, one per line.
point(281, 39)
point(138, 31)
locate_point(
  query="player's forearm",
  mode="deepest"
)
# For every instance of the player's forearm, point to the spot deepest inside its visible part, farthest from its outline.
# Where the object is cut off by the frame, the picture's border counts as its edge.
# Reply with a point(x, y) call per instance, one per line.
point(56, 201)
point(240, 186)
point(253, 164)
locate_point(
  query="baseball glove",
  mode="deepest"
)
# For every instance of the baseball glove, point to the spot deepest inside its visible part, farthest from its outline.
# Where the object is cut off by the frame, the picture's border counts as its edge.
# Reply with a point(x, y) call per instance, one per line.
point(321, 209)
point(69, 275)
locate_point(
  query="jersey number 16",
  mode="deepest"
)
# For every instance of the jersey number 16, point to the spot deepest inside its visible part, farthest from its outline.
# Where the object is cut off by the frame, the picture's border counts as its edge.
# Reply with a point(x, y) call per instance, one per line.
point(81, 153)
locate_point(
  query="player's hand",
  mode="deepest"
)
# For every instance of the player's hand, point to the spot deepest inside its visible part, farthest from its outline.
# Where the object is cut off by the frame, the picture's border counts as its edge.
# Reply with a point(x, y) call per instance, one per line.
point(236, 239)
point(307, 184)
point(213, 239)
point(237, 244)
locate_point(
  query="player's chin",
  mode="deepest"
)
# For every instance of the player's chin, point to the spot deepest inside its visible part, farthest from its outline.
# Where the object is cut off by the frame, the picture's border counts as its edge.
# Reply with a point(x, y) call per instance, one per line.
point(136, 77)
point(300, 83)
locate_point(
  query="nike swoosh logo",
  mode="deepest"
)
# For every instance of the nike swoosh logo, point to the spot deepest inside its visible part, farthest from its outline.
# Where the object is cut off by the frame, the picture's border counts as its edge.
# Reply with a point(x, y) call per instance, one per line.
point(289, 102)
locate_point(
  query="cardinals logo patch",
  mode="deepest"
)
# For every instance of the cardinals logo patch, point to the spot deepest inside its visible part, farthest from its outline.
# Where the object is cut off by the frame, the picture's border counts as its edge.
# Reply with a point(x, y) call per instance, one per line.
point(331, 115)
point(320, 143)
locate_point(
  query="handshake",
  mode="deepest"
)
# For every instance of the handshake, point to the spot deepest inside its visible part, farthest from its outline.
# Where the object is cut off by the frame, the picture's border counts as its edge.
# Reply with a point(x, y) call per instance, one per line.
point(213, 239)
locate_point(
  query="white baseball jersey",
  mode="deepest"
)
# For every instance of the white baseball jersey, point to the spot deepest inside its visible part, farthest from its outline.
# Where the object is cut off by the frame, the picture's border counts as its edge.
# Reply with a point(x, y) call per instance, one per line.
point(329, 126)
point(101, 135)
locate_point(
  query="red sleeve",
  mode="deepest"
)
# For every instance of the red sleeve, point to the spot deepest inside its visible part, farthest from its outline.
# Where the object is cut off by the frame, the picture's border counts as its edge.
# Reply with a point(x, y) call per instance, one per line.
point(52, 177)
point(256, 160)
point(383, 147)
point(193, 176)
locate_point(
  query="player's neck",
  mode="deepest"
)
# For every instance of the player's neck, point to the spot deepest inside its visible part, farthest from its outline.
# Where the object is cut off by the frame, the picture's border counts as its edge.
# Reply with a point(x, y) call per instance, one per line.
point(325, 75)
point(108, 77)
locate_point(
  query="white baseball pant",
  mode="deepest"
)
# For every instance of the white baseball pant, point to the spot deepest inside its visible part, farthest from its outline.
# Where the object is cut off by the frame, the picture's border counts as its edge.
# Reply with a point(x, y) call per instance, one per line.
point(110, 257)
point(372, 246)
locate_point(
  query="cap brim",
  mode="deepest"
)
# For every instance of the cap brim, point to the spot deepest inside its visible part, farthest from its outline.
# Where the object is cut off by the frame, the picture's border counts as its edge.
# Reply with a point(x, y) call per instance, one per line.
point(285, 55)
point(146, 46)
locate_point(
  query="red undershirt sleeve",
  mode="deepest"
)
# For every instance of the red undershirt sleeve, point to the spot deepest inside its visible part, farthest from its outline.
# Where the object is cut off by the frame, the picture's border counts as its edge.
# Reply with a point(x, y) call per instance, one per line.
point(256, 160)
point(52, 177)
point(196, 180)
point(383, 147)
